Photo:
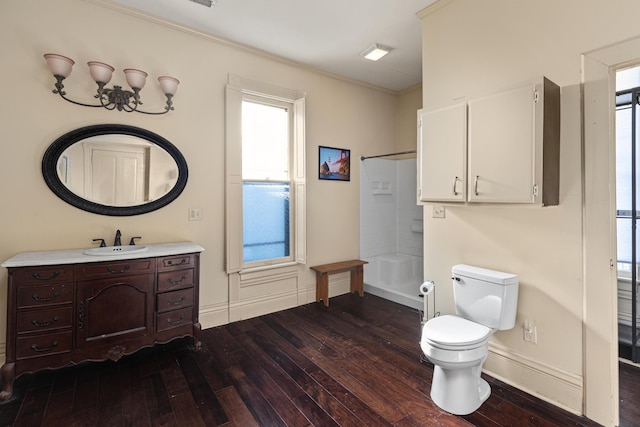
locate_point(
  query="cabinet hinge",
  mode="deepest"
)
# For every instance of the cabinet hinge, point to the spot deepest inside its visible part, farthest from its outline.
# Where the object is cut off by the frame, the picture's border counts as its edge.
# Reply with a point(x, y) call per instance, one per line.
point(535, 191)
point(536, 96)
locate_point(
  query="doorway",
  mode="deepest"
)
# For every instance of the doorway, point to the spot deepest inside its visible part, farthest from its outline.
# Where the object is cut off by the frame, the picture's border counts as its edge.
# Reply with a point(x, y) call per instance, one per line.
point(627, 137)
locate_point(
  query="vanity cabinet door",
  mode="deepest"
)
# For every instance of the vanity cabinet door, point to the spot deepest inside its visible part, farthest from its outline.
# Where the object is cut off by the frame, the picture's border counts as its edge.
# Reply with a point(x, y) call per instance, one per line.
point(115, 310)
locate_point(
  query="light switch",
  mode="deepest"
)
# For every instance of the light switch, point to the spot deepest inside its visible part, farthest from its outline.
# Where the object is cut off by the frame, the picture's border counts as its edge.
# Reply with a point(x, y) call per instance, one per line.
point(195, 214)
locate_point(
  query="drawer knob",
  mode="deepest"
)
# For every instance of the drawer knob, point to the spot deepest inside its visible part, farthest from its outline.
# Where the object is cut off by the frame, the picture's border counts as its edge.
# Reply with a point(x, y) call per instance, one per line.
point(45, 324)
point(55, 295)
point(35, 347)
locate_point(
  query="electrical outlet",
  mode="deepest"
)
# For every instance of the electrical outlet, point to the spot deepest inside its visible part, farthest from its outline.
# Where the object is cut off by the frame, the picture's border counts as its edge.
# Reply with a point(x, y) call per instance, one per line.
point(195, 214)
point(530, 333)
point(437, 212)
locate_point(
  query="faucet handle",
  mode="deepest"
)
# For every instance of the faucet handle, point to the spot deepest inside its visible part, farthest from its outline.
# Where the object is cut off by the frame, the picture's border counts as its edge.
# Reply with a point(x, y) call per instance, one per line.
point(102, 243)
point(132, 241)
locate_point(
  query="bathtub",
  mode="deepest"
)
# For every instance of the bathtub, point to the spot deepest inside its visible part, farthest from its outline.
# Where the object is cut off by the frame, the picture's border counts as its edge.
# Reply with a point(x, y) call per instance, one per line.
point(396, 277)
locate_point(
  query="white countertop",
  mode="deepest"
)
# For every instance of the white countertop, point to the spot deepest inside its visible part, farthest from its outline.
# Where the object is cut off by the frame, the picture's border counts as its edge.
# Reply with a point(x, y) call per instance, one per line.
point(76, 256)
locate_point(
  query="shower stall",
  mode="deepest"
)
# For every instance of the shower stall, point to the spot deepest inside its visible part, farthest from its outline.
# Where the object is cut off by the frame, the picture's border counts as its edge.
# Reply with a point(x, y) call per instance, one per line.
point(391, 229)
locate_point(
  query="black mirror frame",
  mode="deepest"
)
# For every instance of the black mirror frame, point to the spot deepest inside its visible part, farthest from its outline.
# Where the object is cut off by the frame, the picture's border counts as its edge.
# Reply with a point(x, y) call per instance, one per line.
point(55, 150)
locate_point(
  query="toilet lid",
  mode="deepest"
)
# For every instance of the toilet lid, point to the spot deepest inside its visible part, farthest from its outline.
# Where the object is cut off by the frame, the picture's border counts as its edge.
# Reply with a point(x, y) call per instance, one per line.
point(454, 331)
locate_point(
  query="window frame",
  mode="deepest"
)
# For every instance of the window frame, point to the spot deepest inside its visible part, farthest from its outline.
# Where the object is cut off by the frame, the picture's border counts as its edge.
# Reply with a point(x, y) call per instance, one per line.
point(237, 90)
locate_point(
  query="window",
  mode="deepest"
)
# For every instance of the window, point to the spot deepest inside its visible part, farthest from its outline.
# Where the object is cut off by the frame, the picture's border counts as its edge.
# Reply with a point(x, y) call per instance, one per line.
point(266, 213)
point(265, 188)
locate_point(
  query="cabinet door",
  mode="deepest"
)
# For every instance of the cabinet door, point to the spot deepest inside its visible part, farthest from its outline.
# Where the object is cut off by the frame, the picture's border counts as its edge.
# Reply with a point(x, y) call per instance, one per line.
point(115, 310)
point(502, 147)
point(442, 148)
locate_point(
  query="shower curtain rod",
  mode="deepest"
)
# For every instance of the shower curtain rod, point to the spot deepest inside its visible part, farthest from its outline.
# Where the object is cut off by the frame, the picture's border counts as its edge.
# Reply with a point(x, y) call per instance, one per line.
point(387, 155)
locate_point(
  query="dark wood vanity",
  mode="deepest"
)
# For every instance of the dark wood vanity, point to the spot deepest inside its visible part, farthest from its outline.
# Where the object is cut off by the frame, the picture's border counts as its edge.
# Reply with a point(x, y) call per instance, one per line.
point(68, 308)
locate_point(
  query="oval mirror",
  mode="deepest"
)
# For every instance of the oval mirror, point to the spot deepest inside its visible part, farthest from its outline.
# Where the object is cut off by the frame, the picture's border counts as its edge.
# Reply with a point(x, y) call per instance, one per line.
point(115, 170)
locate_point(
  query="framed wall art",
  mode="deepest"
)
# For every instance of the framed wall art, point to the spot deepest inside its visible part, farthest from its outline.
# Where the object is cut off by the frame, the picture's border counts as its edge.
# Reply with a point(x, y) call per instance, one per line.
point(334, 164)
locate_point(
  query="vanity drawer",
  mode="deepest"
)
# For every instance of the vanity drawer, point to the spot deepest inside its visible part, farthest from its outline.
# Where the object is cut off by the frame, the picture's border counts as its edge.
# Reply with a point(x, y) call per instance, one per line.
point(115, 268)
point(44, 295)
point(174, 300)
point(40, 275)
point(42, 320)
point(178, 279)
point(43, 345)
point(176, 262)
point(174, 319)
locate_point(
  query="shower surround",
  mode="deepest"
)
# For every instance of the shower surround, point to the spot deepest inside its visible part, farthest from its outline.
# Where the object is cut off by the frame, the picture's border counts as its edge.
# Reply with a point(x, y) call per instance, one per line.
point(391, 230)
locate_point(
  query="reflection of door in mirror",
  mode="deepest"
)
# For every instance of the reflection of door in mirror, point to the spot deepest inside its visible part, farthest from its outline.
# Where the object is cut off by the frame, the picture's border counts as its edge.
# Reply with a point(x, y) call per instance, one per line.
point(114, 169)
point(116, 174)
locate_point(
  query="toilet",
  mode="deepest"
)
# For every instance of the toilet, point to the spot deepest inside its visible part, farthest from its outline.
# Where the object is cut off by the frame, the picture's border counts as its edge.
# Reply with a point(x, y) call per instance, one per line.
point(457, 345)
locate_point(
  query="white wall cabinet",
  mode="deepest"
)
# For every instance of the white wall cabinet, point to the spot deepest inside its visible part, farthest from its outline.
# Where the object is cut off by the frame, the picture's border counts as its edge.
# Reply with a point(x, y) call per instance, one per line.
point(442, 154)
point(503, 148)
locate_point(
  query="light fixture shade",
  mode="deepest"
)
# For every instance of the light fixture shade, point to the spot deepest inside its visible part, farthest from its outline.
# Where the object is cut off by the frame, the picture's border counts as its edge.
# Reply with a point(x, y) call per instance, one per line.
point(59, 65)
point(135, 78)
point(100, 72)
point(169, 85)
point(376, 51)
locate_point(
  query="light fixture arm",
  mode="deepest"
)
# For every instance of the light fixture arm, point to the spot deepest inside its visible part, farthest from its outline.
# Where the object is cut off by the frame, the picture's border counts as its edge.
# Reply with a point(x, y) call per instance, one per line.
point(59, 90)
point(115, 98)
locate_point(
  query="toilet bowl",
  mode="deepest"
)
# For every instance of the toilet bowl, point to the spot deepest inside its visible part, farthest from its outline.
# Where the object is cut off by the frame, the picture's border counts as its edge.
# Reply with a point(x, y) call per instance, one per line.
point(457, 348)
point(458, 345)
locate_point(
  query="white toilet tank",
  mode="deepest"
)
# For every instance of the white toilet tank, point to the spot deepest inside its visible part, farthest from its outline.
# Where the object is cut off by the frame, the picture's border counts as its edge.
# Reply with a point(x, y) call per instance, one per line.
point(485, 296)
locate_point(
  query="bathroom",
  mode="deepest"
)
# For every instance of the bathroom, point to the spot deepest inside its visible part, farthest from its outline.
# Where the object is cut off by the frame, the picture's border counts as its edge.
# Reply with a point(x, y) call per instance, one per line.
point(524, 238)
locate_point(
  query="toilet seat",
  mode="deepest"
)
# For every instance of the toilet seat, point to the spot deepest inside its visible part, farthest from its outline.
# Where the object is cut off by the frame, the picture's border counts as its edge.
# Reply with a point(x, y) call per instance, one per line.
point(454, 333)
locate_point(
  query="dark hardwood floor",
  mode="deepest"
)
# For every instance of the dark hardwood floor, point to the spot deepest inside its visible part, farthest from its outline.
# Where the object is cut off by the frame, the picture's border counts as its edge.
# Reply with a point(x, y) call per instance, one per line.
point(355, 363)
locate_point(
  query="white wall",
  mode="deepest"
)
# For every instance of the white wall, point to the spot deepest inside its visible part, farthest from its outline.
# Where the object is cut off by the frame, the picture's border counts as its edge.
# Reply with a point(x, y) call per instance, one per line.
point(339, 113)
point(475, 48)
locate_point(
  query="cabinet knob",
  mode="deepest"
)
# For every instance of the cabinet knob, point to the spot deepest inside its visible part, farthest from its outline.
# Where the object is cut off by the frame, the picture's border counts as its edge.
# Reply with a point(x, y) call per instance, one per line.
point(475, 185)
point(455, 181)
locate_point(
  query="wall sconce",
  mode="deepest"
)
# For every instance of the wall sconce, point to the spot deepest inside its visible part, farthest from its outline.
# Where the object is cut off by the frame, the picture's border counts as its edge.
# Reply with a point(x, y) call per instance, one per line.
point(116, 98)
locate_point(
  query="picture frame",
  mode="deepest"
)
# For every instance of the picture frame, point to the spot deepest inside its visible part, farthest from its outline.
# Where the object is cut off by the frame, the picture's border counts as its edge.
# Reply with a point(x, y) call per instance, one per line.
point(334, 164)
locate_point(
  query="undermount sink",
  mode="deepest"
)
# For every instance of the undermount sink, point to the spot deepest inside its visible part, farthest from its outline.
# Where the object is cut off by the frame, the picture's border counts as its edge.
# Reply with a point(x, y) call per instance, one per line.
point(115, 250)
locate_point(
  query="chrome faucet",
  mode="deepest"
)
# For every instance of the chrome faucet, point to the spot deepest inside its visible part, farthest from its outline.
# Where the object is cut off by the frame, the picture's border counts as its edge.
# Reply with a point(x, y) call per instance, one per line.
point(117, 241)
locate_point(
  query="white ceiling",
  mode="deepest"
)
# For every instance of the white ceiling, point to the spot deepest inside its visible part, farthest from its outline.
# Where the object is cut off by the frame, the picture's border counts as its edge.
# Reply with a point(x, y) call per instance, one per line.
point(327, 35)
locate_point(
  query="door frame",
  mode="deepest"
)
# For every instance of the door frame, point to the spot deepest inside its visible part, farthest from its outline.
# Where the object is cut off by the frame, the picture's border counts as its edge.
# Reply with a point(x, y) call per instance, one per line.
point(600, 305)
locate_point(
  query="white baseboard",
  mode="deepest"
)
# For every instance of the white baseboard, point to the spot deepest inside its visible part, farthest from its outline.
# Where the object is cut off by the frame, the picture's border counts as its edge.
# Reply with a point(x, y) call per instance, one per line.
point(214, 315)
point(258, 307)
point(549, 383)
